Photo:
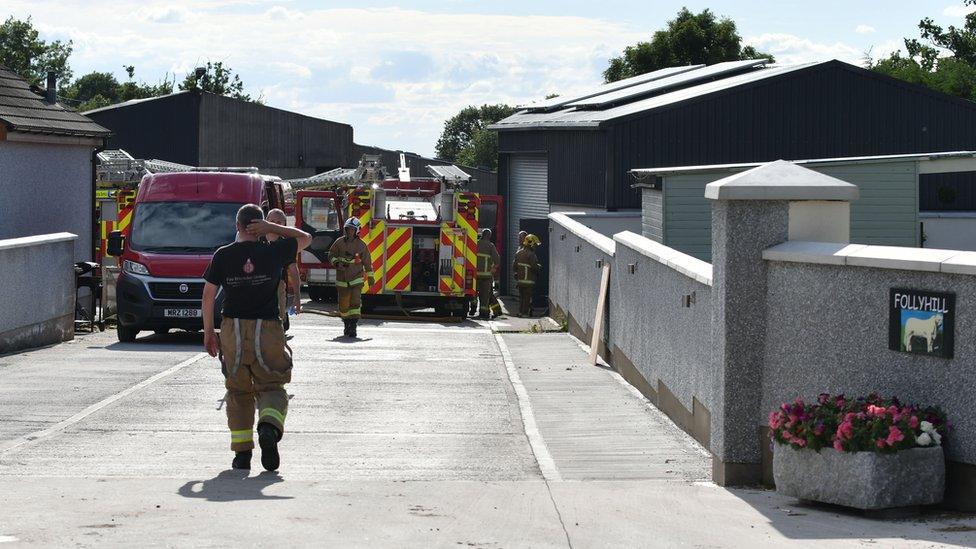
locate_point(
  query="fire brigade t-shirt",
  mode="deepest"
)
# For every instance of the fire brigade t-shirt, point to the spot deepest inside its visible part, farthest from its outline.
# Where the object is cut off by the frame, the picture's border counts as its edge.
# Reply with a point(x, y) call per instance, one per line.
point(249, 273)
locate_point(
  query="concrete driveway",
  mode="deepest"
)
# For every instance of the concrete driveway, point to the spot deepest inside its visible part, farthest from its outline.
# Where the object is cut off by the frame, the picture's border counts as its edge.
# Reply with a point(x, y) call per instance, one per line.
point(418, 434)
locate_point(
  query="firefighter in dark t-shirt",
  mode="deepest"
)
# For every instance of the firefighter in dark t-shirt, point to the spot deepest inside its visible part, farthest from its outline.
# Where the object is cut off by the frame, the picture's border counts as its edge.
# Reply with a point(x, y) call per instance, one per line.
point(254, 358)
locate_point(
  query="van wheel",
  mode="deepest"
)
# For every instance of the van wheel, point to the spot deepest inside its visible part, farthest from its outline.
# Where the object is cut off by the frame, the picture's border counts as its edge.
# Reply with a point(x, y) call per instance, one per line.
point(161, 331)
point(126, 334)
point(316, 293)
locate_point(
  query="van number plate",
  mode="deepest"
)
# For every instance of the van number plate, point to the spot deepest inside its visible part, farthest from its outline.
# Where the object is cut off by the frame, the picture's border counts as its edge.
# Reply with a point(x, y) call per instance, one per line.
point(182, 313)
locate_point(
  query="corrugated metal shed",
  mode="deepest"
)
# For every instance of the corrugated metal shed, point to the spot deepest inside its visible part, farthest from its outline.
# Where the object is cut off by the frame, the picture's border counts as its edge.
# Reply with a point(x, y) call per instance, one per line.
point(22, 110)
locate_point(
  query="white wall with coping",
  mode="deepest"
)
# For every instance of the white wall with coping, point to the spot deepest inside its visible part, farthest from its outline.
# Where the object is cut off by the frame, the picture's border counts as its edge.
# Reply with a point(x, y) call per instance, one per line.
point(601, 221)
point(37, 289)
point(683, 263)
point(648, 323)
point(573, 222)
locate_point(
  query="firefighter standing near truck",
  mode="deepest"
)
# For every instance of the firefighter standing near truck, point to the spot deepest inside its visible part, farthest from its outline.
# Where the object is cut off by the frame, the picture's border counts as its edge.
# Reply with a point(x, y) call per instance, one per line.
point(351, 259)
point(526, 268)
point(255, 360)
point(488, 263)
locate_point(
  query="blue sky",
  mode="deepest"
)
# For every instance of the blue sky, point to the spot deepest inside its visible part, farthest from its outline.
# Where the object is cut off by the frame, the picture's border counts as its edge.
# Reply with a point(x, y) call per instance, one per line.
point(396, 71)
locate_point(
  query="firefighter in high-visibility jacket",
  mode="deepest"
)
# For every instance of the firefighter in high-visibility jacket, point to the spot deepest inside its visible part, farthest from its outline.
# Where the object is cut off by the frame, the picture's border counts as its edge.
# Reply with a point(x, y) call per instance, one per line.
point(351, 258)
point(488, 263)
point(526, 268)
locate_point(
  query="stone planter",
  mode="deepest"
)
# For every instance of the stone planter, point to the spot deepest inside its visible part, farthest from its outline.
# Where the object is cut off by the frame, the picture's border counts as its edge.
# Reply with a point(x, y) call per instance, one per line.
point(862, 480)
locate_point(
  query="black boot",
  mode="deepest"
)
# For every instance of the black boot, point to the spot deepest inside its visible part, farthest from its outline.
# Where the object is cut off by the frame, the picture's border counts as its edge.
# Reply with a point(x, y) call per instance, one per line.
point(352, 327)
point(345, 330)
point(268, 437)
point(242, 460)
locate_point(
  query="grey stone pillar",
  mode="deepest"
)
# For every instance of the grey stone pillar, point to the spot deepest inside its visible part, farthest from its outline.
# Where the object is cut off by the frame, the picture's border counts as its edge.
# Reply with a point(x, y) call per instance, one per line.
point(751, 212)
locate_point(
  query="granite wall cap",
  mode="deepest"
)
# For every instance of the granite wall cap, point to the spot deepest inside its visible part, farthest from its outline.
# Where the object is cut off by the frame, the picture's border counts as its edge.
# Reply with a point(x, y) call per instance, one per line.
point(35, 240)
point(880, 257)
point(962, 263)
point(601, 242)
point(894, 257)
point(800, 251)
point(781, 180)
point(685, 264)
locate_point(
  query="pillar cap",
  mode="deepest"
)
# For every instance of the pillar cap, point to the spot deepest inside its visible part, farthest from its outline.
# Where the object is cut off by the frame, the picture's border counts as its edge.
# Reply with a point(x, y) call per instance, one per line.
point(781, 180)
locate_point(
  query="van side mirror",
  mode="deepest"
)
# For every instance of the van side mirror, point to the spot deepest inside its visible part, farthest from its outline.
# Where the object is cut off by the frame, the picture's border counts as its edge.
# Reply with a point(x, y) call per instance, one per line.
point(115, 243)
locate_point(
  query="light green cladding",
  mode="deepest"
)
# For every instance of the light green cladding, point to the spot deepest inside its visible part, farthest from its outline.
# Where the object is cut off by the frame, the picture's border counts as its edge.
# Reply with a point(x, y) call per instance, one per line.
point(886, 213)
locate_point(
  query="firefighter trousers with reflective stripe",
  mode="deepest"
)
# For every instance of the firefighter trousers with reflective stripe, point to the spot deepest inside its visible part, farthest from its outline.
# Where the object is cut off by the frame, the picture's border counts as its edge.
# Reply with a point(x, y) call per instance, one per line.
point(282, 300)
point(350, 300)
point(525, 298)
point(487, 302)
point(256, 364)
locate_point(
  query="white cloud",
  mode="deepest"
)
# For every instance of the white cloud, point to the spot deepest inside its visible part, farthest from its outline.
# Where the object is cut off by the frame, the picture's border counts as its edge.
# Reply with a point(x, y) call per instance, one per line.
point(958, 10)
point(166, 14)
point(789, 49)
point(394, 74)
point(864, 29)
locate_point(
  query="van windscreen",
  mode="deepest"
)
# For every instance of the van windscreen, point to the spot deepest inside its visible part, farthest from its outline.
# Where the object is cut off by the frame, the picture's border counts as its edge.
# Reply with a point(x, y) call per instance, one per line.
point(183, 227)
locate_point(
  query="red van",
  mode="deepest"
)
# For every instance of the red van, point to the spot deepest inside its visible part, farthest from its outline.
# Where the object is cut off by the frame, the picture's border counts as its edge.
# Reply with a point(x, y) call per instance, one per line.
point(179, 220)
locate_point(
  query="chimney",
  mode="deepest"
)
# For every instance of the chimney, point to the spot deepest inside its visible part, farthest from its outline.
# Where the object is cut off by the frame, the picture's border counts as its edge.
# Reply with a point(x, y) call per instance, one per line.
point(52, 87)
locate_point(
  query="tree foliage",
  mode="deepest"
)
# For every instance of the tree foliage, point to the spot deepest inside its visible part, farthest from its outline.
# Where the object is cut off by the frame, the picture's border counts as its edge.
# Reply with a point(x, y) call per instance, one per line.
point(689, 39)
point(943, 59)
point(217, 79)
point(465, 139)
point(24, 52)
point(100, 89)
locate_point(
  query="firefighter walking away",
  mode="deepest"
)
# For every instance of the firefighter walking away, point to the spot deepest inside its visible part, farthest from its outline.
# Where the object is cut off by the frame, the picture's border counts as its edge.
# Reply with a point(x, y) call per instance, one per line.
point(526, 268)
point(255, 360)
point(488, 264)
point(353, 266)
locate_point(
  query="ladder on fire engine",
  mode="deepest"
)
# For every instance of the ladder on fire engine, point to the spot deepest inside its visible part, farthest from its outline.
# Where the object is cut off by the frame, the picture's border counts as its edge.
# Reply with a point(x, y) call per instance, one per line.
point(116, 166)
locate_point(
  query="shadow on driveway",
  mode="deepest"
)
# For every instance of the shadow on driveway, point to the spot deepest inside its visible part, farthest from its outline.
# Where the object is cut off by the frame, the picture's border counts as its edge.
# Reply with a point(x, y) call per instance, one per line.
point(233, 485)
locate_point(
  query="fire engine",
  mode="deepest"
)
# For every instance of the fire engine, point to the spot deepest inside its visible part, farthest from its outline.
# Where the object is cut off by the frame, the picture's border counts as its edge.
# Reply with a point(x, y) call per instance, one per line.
point(422, 233)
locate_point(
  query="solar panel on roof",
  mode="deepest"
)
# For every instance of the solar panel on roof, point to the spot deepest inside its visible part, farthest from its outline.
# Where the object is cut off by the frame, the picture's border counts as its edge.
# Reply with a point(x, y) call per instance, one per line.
point(667, 84)
point(551, 104)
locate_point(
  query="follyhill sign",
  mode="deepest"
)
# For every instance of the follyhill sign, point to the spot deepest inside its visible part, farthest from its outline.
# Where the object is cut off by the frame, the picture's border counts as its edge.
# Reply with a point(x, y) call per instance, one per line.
point(921, 322)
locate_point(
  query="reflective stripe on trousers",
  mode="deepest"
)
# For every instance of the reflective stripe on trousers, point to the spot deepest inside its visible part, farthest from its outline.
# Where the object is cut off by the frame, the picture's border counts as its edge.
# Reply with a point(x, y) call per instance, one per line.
point(239, 342)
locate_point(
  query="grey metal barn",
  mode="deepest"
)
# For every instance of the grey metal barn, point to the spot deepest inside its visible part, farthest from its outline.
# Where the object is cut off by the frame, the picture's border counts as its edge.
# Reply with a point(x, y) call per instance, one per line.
point(204, 129)
point(574, 152)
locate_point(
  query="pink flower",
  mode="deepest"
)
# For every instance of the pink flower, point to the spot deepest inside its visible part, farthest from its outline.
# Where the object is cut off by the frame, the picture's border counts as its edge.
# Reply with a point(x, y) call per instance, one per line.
point(913, 422)
point(774, 420)
point(880, 443)
point(838, 445)
point(876, 411)
point(800, 442)
point(894, 435)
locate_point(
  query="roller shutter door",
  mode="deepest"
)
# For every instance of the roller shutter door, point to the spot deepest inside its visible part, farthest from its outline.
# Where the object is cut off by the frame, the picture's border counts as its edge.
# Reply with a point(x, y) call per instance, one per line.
point(528, 194)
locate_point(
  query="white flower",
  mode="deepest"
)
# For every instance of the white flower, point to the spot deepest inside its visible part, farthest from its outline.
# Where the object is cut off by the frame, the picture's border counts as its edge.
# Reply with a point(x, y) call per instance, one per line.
point(937, 438)
point(924, 439)
point(927, 427)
